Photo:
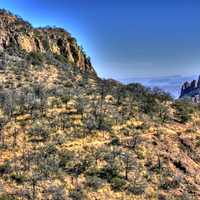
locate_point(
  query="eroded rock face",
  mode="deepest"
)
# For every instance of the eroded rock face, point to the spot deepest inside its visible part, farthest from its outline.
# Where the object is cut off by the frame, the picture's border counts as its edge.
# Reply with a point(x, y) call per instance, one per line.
point(191, 90)
point(27, 43)
point(16, 32)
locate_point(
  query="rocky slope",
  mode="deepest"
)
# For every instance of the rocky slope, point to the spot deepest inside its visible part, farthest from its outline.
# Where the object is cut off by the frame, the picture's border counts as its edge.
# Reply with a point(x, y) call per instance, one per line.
point(67, 134)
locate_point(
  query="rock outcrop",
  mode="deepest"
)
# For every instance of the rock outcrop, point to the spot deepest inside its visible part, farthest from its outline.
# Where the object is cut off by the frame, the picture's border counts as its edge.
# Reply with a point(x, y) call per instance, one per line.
point(191, 90)
point(15, 33)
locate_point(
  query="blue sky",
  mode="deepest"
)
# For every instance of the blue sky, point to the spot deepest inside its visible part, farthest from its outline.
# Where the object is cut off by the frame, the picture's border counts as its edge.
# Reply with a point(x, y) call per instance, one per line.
point(125, 38)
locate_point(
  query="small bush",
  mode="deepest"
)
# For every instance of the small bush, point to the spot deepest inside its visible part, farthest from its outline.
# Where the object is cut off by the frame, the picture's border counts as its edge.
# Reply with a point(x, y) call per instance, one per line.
point(5, 168)
point(65, 157)
point(77, 194)
point(168, 184)
point(198, 142)
point(115, 141)
point(60, 58)
point(94, 182)
point(65, 98)
point(184, 110)
point(38, 134)
point(3, 146)
point(109, 172)
point(46, 43)
point(18, 178)
point(137, 188)
point(35, 58)
point(118, 183)
point(7, 197)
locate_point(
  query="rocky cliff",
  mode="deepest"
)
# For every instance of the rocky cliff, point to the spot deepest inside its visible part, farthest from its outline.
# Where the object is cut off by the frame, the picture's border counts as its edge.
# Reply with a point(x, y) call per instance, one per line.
point(191, 90)
point(18, 35)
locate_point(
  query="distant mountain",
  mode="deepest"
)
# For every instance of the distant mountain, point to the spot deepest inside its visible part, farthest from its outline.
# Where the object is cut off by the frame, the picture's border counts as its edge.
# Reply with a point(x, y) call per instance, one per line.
point(170, 84)
point(191, 90)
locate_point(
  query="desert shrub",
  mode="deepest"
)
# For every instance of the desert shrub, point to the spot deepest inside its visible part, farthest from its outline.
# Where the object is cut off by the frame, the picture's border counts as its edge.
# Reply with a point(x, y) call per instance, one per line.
point(169, 183)
point(90, 123)
point(191, 130)
point(186, 196)
point(136, 188)
point(36, 58)
point(7, 197)
point(138, 90)
point(104, 123)
point(65, 98)
point(115, 141)
point(65, 157)
point(118, 183)
point(148, 105)
point(78, 168)
point(161, 95)
point(56, 192)
point(93, 171)
point(94, 182)
point(3, 146)
point(45, 43)
point(38, 133)
point(141, 152)
point(60, 58)
point(144, 126)
point(5, 168)
point(148, 99)
point(77, 194)
point(18, 178)
point(197, 141)
point(80, 106)
point(109, 172)
point(183, 110)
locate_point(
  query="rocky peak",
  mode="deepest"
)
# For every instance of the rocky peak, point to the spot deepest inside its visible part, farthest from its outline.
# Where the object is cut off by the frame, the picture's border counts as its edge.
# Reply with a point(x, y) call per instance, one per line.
point(20, 35)
point(191, 90)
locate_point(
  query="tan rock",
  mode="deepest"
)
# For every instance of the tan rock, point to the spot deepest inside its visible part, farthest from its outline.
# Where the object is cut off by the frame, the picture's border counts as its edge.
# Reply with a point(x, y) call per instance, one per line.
point(27, 43)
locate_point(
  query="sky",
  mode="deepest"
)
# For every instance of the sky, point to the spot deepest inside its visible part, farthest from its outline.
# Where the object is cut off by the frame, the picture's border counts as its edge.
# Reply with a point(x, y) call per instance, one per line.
point(125, 39)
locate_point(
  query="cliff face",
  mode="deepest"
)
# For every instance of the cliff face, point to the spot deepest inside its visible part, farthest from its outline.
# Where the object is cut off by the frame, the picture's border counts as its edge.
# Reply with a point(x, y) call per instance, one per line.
point(18, 34)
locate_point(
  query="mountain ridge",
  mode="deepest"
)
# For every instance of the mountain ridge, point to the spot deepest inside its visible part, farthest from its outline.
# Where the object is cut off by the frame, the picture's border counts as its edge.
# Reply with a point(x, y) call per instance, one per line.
point(19, 34)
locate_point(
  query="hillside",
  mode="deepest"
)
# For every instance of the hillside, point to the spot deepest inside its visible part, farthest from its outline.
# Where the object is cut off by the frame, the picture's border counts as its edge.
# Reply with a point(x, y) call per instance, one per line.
point(67, 134)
